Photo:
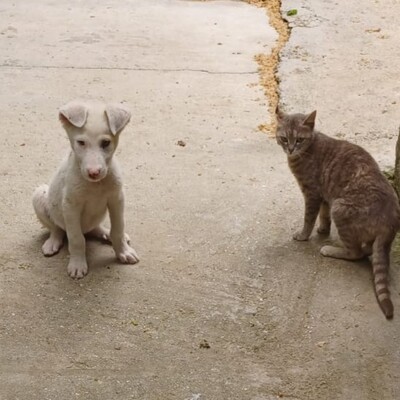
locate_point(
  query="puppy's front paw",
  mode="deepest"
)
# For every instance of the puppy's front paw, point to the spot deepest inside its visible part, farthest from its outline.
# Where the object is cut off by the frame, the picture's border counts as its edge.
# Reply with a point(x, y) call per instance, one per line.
point(127, 255)
point(77, 269)
point(300, 236)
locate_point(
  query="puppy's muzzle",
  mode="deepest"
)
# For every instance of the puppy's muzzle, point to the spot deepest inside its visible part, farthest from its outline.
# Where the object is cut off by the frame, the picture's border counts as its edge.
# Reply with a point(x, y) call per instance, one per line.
point(95, 174)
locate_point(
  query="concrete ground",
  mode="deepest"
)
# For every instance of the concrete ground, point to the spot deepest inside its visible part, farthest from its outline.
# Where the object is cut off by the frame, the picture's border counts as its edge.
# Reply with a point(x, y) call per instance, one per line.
point(223, 305)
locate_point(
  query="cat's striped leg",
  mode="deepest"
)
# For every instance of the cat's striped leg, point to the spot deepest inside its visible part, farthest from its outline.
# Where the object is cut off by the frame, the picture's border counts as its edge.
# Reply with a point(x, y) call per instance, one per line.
point(324, 219)
point(351, 249)
point(367, 248)
point(312, 207)
point(342, 252)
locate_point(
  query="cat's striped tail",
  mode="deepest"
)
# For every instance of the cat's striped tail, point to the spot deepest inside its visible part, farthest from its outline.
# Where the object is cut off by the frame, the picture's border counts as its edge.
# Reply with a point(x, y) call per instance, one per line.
point(380, 269)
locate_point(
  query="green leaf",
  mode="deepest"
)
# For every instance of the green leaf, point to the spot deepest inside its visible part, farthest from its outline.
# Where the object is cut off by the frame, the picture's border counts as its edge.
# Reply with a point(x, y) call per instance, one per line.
point(290, 13)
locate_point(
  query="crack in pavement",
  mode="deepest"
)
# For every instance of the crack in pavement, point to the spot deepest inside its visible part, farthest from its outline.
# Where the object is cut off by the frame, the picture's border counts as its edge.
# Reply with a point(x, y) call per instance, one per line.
point(268, 63)
point(129, 69)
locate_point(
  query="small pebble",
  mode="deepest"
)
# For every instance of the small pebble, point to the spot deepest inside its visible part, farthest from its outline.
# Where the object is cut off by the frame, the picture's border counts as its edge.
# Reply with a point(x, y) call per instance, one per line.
point(204, 344)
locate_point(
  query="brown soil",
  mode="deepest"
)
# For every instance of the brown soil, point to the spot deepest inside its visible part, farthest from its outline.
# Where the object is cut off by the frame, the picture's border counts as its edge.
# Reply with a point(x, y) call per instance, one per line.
point(268, 63)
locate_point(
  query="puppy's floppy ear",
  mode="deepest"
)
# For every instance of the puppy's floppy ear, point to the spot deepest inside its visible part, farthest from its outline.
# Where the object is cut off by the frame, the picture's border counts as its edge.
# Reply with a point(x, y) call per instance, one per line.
point(74, 113)
point(118, 116)
point(310, 120)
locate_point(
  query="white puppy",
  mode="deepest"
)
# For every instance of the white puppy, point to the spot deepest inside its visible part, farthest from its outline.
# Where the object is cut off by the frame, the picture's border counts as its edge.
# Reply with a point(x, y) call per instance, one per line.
point(87, 184)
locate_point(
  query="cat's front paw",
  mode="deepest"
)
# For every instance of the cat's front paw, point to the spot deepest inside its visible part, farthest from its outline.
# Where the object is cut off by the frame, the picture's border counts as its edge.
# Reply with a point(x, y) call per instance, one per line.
point(301, 236)
point(127, 255)
point(77, 268)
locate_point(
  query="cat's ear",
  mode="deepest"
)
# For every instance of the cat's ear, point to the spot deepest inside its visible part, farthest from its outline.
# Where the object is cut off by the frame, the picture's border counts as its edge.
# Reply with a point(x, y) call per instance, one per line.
point(279, 114)
point(310, 120)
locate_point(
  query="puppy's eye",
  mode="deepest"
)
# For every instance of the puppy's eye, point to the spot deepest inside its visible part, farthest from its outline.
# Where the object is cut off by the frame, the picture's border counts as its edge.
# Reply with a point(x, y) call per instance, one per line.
point(300, 140)
point(105, 143)
point(284, 139)
point(81, 142)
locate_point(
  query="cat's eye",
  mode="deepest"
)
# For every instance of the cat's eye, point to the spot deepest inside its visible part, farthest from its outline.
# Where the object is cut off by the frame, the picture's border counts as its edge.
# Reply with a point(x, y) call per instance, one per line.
point(300, 140)
point(81, 142)
point(105, 143)
point(284, 139)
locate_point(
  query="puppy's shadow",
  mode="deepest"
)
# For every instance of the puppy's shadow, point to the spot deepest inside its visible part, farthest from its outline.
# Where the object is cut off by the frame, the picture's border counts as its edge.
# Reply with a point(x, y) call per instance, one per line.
point(99, 253)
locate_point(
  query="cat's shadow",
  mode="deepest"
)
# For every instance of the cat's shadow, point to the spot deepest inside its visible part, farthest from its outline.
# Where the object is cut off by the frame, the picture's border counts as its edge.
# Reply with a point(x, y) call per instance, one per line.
point(318, 240)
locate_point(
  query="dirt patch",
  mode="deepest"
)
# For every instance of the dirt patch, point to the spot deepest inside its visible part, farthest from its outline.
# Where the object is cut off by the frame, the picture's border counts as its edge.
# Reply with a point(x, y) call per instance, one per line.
point(268, 63)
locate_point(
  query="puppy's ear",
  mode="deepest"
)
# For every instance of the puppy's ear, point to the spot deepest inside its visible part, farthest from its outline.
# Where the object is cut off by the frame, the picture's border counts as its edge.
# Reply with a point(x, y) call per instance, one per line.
point(73, 113)
point(118, 116)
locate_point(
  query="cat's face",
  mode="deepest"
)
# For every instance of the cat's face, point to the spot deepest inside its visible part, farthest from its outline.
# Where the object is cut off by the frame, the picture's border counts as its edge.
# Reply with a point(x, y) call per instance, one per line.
point(295, 132)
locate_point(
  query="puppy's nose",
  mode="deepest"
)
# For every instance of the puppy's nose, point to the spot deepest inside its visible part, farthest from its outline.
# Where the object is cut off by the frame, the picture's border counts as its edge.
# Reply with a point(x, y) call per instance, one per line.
point(94, 173)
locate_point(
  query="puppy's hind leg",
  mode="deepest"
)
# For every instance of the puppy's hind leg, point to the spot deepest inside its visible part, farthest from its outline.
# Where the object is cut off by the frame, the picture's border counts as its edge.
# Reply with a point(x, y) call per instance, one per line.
point(103, 234)
point(100, 233)
point(55, 241)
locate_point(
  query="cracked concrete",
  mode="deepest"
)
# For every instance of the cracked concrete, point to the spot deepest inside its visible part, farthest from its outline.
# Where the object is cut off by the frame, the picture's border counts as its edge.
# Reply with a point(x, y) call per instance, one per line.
point(212, 221)
point(268, 62)
point(342, 59)
point(127, 69)
point(343, 62)
point(137, 331)
point(119, 37)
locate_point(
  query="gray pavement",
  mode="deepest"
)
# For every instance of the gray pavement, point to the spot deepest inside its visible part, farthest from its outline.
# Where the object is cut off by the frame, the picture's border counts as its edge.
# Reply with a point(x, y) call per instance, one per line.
point(223, 305)
point(342, 59)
